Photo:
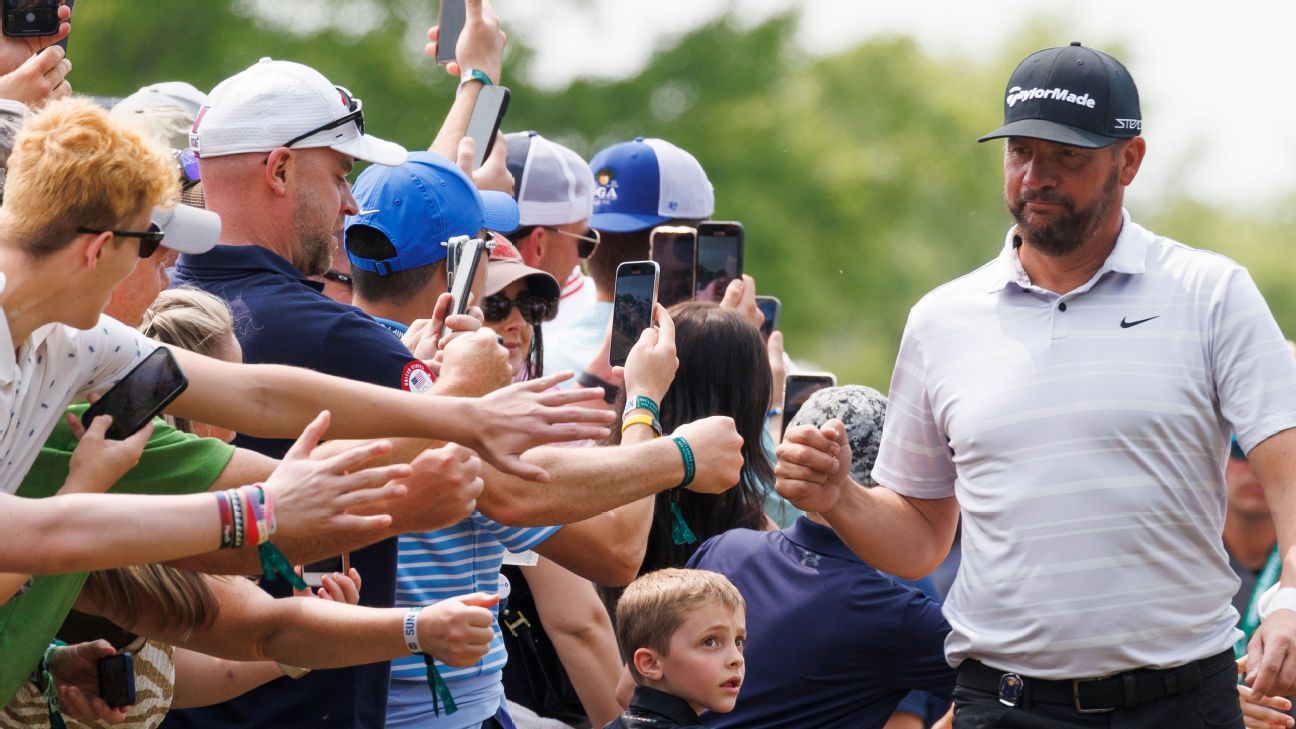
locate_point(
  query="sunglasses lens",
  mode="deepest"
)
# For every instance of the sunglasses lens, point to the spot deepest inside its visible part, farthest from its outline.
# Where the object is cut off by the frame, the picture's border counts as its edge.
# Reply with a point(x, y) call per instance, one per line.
point(496, 307)
point(189, 163)
point(149, 242)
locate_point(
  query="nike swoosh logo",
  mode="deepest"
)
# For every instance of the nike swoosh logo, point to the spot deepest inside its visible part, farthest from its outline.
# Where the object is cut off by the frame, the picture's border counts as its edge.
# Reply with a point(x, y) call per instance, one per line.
point(1128, 324)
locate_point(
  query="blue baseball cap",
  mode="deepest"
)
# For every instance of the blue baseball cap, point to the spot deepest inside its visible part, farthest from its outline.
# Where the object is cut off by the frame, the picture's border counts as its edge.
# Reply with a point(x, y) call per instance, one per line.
point(421, 204)
point(647, 182)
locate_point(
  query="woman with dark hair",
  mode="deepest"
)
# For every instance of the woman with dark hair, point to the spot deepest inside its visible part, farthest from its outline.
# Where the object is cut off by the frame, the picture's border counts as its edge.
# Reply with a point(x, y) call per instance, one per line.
point(723, 370)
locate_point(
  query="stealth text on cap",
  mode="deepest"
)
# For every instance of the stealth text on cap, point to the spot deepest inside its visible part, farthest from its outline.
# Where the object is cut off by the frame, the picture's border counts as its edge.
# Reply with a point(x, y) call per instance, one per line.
point(1017, 93)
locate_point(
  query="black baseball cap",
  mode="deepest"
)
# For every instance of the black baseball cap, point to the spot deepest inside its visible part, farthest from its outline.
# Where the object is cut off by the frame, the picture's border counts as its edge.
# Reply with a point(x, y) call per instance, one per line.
point(1070, 95)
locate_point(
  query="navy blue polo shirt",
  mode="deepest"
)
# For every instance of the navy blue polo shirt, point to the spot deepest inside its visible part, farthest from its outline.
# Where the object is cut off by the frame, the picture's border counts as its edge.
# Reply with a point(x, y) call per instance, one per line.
point(831, 642)
point(281, 317)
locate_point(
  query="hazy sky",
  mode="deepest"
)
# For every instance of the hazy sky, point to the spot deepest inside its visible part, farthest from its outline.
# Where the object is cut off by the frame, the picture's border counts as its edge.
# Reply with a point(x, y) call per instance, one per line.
point(1219, 106)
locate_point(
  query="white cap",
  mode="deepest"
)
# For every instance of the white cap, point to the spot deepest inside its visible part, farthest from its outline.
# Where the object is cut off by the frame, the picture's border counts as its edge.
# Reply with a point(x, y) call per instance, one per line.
point(187, 229)
point(271, 103)
point(554, 184)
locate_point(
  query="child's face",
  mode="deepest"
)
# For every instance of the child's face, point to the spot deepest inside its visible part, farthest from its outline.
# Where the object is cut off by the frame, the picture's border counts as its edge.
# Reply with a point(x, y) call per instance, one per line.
point(705, 663)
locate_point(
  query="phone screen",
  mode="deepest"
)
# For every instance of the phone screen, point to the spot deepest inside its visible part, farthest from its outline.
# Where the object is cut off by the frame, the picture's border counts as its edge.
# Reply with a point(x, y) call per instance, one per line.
point(487, 113)
point(674, 251)
point(719, 259)
point(632, 307)
point(450, 23)
point(314, 571)
point(769, 306)
point(798, 388)
point(117, 680)
point(140, 395)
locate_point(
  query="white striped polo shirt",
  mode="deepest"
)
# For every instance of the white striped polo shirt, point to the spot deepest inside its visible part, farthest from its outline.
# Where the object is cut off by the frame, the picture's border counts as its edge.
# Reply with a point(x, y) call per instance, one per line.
point(1085, 438)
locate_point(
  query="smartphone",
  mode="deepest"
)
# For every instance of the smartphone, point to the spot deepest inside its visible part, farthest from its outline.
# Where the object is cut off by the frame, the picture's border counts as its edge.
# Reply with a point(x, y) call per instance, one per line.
point(632, 306)
point(450, 23)
point(484, 124)
point(25, 18)
point(465, 271)
point(770, 306)
point(117, 680)
point(719, 259)
point(674, 249)
point(140, 395)
point(314, 572)
point(799, 387)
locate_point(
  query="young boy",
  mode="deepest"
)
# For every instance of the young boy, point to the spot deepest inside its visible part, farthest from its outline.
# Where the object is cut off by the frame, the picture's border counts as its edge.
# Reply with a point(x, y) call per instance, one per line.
point(681, 633)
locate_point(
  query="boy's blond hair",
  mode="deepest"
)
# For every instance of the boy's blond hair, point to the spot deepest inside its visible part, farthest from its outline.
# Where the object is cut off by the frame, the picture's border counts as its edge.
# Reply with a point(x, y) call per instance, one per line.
point(654, 606)
point(75, 166)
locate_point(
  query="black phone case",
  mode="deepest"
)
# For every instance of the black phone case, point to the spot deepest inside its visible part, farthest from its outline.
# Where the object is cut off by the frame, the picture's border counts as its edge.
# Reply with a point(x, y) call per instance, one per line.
point(117, 680)
point(116, 431)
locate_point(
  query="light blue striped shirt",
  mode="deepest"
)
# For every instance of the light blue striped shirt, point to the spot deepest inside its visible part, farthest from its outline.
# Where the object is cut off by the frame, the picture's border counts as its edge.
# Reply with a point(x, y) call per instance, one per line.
point(458, 560)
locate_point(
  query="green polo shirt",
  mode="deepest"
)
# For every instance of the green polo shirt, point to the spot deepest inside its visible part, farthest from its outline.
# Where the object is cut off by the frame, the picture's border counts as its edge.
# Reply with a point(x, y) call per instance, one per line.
point(173, 463)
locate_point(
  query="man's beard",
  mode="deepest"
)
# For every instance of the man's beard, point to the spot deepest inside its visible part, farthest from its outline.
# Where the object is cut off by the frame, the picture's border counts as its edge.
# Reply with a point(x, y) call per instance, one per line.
point(1067, 232)
point(314, 247)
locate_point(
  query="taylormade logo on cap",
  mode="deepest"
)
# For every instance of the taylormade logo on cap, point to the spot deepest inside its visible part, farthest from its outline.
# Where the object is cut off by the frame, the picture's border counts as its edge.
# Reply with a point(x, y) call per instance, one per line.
point(1017, 93)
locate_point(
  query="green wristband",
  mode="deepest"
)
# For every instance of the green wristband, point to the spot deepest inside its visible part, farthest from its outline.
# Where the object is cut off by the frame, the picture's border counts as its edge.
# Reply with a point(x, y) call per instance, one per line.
point(690, 463)
point(643, 402)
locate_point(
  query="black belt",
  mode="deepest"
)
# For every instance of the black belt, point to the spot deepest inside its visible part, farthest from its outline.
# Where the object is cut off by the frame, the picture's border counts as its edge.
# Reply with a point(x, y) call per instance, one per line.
point(1095, 695)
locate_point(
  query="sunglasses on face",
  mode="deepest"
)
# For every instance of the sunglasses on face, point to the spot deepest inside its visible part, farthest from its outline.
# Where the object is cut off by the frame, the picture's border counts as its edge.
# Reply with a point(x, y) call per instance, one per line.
point(338, 277)
point(585, 244)
point(534, 309)
point(188, 162)
point(149, 240)
point(355, 114)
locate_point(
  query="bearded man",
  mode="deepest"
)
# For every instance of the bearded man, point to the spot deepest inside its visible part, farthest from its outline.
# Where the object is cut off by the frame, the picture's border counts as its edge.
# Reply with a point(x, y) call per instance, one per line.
point(1073, 401)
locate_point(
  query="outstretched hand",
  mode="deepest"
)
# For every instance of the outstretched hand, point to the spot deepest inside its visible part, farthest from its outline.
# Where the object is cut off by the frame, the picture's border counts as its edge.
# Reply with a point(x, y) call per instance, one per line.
point(312, 496)
point(527, 414)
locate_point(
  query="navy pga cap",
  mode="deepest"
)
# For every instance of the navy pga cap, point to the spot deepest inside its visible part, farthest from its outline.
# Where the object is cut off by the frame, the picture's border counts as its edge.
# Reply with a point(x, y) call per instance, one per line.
point(1071, 95)
point(647, 182)
point(421, 204)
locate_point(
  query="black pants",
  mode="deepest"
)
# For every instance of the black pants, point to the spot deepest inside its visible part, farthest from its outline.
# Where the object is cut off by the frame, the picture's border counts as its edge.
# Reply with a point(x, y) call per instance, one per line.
point(1213, 705)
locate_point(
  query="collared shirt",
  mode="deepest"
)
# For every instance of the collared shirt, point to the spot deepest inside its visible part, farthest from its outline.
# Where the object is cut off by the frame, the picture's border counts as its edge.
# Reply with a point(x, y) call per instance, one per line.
point(41, 376)
point(281, 317)
point(653, 709)
point(832, 642)
point(1085, 437)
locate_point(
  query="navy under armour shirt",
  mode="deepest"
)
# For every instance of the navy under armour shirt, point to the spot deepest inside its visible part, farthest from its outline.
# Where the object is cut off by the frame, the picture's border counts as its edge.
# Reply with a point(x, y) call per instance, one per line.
point(831, 642)
point(281, 317)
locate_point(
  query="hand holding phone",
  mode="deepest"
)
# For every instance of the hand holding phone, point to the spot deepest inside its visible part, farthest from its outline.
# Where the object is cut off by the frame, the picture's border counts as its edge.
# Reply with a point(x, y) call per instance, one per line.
point(139, 396)
point(674, 250)
point(27, 18)
point(719, 259)
point(450, 22)
point(633, 300)
point(465, 267)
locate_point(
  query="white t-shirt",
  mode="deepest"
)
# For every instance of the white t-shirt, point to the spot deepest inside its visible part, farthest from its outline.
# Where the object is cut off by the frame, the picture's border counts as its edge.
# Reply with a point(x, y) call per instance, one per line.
point(1085, 438)
point(40, 377)
point(574, 337)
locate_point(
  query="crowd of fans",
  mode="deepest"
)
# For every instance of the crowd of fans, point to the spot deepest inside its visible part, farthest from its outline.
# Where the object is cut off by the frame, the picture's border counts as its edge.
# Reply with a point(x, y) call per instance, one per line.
point(513, 532)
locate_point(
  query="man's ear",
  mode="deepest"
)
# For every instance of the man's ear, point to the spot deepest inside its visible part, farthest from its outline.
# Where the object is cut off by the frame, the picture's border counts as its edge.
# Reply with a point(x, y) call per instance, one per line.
point(91, 247)
point(649, 664)
point(533, 246)
point(277, 168)
point(1131, 158)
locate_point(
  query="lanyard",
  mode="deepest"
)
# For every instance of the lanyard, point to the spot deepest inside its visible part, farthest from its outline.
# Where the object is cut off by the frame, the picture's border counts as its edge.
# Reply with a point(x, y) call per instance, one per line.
point(1251, 620)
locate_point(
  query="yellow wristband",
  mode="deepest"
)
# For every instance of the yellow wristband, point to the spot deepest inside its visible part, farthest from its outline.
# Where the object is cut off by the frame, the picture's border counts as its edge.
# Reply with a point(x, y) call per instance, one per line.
point(640, 419)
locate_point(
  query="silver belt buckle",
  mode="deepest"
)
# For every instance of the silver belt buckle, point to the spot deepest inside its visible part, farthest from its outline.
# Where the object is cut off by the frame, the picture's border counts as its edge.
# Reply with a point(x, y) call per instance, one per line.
point(1010, 689)
point(1075, 694)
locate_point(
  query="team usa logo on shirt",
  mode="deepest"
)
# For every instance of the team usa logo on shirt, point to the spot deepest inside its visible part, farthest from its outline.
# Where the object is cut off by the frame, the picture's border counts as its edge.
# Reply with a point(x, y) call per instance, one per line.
point(416, 377)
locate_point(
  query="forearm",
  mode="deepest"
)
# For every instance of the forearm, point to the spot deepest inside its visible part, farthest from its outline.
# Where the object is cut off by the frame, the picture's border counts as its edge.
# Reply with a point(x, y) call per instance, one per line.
point(584, 482)
point(1274, 461)
point(83, 532)
point(455, 125)
point(902, 536)
point(581, 632)
point(275, 401)
point(607, 549)
point(203, 680)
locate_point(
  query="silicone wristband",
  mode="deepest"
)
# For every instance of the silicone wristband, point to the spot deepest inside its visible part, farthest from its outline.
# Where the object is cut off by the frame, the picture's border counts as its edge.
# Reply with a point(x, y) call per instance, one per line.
point(410, 626)
point(253, 529)
point(648, 420)
point(226, 520)
point(252, 495)
point(690, 464)
point(475, 74)
point(642, 402)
